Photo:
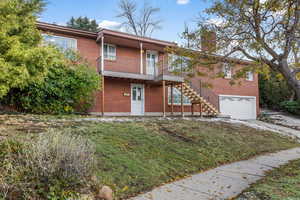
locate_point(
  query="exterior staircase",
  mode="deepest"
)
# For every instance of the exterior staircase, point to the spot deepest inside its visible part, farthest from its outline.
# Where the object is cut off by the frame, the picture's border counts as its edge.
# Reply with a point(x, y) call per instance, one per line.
point(195, 98)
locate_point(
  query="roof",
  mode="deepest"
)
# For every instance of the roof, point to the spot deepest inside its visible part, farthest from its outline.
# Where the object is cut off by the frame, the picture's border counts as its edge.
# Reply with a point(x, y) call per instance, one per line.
point(94, 35)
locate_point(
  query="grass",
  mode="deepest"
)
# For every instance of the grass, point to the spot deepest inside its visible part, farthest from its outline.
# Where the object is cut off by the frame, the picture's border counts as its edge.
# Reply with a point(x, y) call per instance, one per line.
point(135, 157)
point(279, 184)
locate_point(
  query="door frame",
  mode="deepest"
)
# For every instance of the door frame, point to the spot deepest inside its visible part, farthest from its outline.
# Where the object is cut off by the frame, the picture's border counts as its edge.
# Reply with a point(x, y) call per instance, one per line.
point(152, 52)
point(143, 98)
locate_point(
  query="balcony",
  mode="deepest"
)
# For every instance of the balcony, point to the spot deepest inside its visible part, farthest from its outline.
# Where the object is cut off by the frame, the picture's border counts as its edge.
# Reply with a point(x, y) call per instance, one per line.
point(130, 68)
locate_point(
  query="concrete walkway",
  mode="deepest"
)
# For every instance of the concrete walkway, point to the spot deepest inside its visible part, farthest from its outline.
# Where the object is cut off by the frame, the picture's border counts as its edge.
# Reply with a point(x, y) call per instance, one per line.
point(224, 182)
point(275, 128)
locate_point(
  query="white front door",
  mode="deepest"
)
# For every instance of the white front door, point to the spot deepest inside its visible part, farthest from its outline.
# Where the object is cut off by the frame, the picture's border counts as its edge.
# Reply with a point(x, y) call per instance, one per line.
point(151, 62)
point(238, 107)
point(137, 99)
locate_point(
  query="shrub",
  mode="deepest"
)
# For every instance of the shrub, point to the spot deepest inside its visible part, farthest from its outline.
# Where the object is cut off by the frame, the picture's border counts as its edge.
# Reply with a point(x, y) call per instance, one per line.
point(68, 86)
point(54, 166)
point(63, 156)
point(291, 106)
point(273, 90)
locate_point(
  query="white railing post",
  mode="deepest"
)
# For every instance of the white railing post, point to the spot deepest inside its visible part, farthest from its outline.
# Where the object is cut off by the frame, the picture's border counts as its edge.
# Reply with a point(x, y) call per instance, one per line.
point(102, 54)
point(142, 59)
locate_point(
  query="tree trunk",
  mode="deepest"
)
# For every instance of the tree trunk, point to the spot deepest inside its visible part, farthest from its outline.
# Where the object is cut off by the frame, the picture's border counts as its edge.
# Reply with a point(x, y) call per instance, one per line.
point(290, 77)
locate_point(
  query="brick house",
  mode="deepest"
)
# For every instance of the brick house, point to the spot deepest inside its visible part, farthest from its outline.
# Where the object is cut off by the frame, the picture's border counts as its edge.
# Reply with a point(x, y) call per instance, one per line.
point(138, 78)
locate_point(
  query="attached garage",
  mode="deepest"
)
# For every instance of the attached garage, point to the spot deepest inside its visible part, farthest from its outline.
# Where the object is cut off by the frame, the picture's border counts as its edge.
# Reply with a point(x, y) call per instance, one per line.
point(238, 107)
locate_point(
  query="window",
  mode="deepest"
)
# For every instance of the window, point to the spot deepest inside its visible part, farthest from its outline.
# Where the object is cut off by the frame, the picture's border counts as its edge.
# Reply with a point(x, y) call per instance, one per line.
point(227, 71)
point(177, 97)
point(249, 76)
point(110, 52)
point(175, 63)
point(62, 42)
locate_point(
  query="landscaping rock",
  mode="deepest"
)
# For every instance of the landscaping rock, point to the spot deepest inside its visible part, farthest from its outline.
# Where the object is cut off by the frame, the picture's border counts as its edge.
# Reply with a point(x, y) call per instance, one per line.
point(87, 197)
point(105, 193)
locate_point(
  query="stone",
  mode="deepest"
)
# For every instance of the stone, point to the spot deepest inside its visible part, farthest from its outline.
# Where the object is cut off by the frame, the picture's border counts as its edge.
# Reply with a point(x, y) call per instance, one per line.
point(105, 193)
point(86, 197)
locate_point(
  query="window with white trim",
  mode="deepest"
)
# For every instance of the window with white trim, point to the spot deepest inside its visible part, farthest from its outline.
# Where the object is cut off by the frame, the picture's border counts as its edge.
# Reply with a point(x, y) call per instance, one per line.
point(249, 76)
point(63, 43)
point(175, 62)
point(227, 70)
point(110, 52)
point(177, 97)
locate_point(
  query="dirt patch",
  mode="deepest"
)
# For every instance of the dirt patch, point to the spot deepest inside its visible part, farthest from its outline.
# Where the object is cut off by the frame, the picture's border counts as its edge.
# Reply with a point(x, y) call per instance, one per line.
point(176, 135)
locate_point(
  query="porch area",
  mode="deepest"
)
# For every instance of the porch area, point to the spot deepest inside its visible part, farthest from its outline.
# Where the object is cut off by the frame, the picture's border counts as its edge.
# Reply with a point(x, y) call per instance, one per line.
point(122, 96)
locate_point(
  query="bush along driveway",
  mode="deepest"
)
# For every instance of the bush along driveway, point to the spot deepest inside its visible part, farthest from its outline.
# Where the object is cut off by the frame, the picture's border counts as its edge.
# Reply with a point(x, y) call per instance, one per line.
point(135, 157)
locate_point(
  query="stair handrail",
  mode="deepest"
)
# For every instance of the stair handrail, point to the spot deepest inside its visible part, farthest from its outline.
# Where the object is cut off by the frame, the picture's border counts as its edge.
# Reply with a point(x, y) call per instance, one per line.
point(208, 95)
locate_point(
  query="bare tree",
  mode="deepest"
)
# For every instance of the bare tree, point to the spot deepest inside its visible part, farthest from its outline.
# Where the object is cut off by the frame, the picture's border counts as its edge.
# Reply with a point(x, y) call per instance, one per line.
point(190, 39)
point(143, 24)
point(264, 31)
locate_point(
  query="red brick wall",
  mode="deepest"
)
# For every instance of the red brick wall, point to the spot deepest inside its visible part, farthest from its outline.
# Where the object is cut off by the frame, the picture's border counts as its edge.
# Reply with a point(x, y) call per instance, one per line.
point(115, 101)
point(88, 48)
point(128, 60)
point(222, 86)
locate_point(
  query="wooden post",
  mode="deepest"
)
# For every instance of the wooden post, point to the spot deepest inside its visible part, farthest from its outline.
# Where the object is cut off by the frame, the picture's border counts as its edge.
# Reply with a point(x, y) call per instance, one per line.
point(182, 109)
point(102, 101)
point(164, 98)
point(200, 109)
point(192, 109)
point(172, 99)
point(200, 88)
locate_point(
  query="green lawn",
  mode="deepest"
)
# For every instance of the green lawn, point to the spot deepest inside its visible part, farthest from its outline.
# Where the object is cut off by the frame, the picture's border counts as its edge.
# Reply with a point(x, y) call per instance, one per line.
point(279, 184)
point(135, 157)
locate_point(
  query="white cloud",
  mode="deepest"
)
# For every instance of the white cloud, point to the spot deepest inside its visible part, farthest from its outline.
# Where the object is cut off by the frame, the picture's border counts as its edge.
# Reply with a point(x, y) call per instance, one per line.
point(183, 2)
point(113, 25)
point(215, 21)
point(62, 23)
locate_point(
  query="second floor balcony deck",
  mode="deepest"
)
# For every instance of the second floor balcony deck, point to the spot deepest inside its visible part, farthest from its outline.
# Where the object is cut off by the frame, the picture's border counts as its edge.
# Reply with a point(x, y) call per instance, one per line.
point(133, 68)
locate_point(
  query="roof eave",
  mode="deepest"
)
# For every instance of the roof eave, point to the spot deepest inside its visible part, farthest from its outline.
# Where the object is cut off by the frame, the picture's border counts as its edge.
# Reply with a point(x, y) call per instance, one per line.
point(62, 29)
point(136, 38)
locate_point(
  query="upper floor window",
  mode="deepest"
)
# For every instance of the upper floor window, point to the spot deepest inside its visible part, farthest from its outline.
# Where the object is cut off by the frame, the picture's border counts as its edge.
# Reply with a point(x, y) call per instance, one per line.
point(110, 52)
point(227, 70)
point(178, 63)
point(64, 43)
point(249, 76)
point(177, 97)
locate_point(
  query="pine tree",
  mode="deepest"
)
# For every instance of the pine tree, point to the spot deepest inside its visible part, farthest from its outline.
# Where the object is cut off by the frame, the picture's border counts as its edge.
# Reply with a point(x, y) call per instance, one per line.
point(83, 23)
point(22, 59)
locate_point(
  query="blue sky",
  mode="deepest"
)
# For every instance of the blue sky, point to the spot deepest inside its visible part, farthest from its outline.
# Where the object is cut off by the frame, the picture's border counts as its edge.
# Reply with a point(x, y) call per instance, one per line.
point(174, 13)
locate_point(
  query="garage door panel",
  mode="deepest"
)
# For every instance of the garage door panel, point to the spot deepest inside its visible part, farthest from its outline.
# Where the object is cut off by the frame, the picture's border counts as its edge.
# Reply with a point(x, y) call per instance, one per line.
point(238, 107)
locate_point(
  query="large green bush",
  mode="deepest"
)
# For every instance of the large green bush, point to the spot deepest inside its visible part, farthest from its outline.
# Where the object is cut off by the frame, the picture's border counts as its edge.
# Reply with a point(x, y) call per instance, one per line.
point(34, 77)
point(291, 106)
point(68, 86)
point(53, 166)
point(273, 90)
point(23, 60)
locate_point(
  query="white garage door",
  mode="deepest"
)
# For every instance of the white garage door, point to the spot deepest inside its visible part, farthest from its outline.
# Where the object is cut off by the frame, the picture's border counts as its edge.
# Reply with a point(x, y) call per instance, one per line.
point(238, 107)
